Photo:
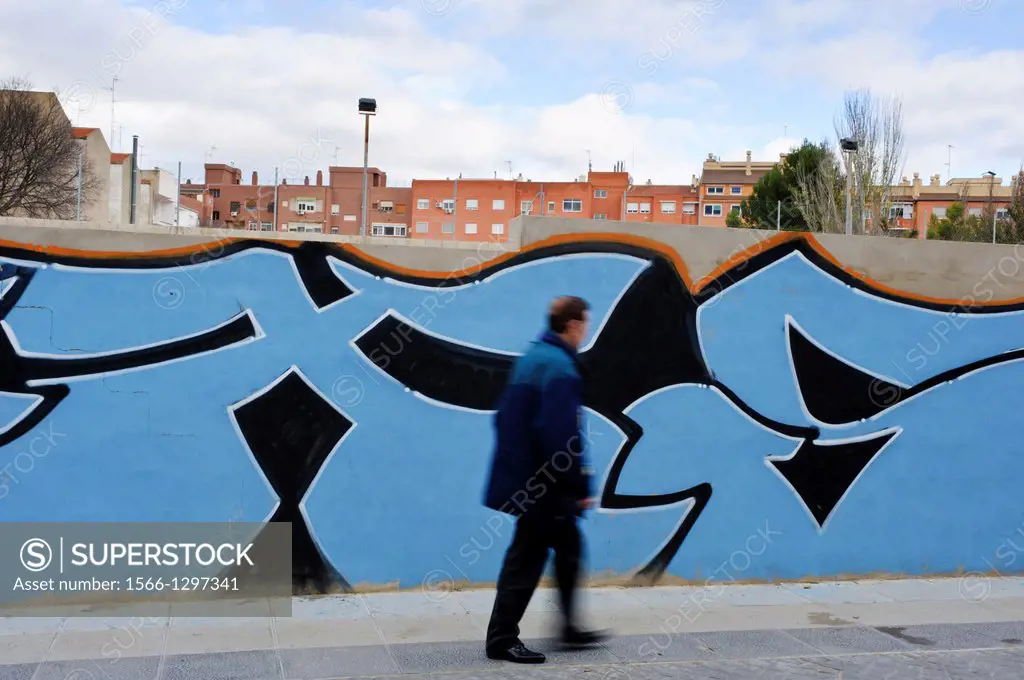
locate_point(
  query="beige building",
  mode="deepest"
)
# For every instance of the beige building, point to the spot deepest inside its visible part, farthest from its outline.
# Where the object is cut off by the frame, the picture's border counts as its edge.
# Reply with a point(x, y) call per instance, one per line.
point(913, 203)
point(724, 184)
point(97, 153)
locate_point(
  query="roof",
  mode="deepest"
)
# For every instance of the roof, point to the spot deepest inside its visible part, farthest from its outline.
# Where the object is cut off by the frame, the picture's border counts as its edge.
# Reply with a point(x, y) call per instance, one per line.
point(191, 203)
point(118, 158)
point(81, 132)
point(715, 176)
point(661, 189)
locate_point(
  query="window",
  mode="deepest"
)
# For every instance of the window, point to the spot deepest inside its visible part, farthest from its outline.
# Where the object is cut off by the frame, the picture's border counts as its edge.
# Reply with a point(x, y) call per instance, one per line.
point(470, 228)
point(645, 208)
point(270, 207)
point(551, 206)
point(388, 230)
point(716, 190)
point(1003, 214)
point(689, 208)
point(267, 226)
point(349, 218)
point(572, 205)
point(668, 207)
point(471, 204)
point(526, 207)
point(713, 210)
point(632, 208)
point(254, 226)
point(423, 204)
point(216, 214)
point(497, 229)
point(600, 216)
point(975, 212)
point(498, 204)
point(235, 207)
point(303, 205)
point(736, 191)
point(250, 204)
point(901, 211)
point(335, 209)
point(600, 193)
point(448, 205)
point(940, 213)
point(400, 209)
point(334, 230)
point(422, 227)
point(386, 206)
point(734, 208)
point(448, 228)
point(215, 193)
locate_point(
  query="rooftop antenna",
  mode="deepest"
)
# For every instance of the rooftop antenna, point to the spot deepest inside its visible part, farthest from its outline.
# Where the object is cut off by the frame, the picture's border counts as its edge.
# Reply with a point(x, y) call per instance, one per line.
point(590, 166)
point(509, 169)
point(113, 99)
point(949, 162)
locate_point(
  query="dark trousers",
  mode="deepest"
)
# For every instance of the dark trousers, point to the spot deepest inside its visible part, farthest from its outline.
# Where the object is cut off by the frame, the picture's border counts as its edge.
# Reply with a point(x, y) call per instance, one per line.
point(523, 567)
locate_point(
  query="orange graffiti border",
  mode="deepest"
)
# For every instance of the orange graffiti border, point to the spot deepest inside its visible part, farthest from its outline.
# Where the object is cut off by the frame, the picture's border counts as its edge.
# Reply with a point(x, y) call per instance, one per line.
point(736, 260)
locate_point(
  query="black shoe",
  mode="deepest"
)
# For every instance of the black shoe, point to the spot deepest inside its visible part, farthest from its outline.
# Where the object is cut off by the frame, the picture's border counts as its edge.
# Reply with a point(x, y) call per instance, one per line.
point(517, 653)
point(575, 638)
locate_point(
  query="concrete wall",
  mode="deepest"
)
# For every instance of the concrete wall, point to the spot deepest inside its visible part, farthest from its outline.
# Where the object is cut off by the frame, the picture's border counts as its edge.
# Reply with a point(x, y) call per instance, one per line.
point(784, 419)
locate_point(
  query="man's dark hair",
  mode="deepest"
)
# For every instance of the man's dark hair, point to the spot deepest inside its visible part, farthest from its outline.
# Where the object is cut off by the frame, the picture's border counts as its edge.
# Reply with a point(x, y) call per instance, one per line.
point(565, 309)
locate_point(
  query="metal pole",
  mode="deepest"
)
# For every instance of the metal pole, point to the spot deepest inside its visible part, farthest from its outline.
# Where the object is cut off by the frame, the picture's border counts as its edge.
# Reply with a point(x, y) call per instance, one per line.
point(135, 176)
point(275, 199)
point(455, 208)
point(177, 207)
point(778, 218)
point(366, 160)
point(78, 207)
point(849, 191)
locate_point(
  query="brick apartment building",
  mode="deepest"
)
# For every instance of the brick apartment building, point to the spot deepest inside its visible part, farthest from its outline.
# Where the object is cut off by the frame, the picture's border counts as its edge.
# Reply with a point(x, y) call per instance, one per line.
point(480, 209)
point(333, 207)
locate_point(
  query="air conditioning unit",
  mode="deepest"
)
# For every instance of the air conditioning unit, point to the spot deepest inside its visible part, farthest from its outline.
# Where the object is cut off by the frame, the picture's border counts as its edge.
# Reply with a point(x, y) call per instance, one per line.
point(439, 204)
point(234, 213)
point(448, 210)
point(301, 212)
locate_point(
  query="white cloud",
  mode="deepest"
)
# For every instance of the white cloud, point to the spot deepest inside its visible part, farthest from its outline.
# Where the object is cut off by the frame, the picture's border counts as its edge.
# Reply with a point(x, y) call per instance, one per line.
point(260, 92)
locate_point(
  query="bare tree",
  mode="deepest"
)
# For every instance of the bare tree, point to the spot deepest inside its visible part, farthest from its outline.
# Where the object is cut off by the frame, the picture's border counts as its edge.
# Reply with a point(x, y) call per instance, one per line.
point(877, 126)
point(818, 191)
point(39, 158)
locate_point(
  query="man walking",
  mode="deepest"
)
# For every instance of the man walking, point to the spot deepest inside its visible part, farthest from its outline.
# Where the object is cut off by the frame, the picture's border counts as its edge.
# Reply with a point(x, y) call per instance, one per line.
point(538, 476)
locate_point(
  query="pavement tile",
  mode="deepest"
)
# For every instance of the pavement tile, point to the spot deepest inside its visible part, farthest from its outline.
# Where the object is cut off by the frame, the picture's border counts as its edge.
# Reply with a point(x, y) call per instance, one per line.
point(140, 668)
point(848, 640)
point(405, 629)
point(659, 647)
point(843, 592)
point(237, 666)
point(329, 608)
point(327, 662)
point(109, 644)
point(306, 633)
point(1005, 632)
point(940, 636)
point(28, 648)
point(242, 638)
point(754, 644)
point(18, 671)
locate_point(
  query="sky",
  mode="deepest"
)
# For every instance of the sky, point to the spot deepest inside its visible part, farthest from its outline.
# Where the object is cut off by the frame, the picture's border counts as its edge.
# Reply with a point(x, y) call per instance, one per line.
point(473, 87)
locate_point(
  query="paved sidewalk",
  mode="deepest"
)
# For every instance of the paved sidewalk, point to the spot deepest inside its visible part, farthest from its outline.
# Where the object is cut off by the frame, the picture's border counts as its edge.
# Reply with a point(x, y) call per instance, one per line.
point(875, 630)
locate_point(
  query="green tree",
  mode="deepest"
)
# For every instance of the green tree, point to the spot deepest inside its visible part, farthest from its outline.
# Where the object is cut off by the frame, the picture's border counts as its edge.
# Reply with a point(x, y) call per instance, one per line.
point(733, 219)
point(779, 187)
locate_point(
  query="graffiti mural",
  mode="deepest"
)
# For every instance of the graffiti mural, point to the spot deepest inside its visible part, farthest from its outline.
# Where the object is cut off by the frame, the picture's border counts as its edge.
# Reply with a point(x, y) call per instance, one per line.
point(782, 409)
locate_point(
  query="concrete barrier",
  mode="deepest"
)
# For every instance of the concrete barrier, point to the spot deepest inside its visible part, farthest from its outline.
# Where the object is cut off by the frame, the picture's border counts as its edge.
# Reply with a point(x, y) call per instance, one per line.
point(761, 406)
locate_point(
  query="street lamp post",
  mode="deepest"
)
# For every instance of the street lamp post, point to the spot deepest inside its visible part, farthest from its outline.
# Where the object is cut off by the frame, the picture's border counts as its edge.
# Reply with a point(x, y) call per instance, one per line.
point(991, 186)
point(849, 146)
point(367, 108)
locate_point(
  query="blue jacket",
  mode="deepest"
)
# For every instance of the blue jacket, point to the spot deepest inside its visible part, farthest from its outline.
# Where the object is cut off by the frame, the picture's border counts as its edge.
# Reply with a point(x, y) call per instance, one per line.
point(538, 466)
